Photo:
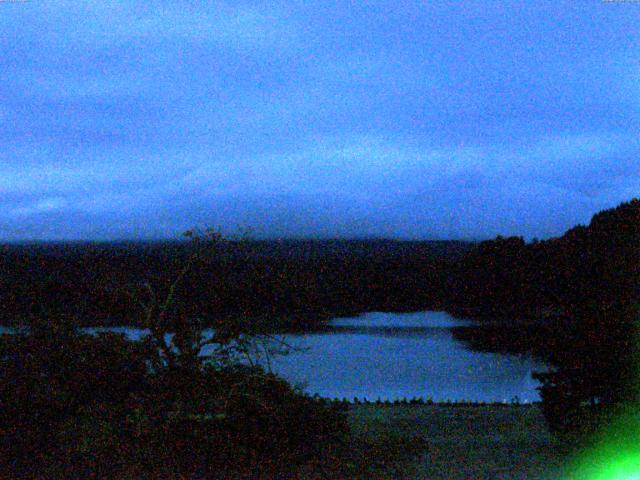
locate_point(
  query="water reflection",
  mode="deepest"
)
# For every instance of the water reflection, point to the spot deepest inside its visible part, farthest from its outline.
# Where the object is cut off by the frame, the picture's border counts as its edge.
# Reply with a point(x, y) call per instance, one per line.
point(391, 355)
point(430, 319)
point(394, 356)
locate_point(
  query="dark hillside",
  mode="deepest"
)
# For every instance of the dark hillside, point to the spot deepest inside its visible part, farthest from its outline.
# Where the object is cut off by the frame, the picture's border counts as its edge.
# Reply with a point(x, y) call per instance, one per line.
point(507, 280)
point(293, 283)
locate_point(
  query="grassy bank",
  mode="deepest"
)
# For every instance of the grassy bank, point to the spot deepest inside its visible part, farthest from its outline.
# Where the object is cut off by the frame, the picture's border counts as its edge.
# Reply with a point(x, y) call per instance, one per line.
point(446, 442)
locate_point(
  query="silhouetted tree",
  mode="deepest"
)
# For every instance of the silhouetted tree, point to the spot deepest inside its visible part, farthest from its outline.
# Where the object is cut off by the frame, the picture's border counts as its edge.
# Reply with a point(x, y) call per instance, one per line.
point(595, 361)
point(76, 405)
point(571, 300)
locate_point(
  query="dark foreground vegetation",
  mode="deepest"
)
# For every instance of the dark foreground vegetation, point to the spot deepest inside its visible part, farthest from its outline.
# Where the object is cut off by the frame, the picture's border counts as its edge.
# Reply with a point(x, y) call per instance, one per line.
point(571, 300)
point(74, 405)
point(439, 442)
point(80, 406)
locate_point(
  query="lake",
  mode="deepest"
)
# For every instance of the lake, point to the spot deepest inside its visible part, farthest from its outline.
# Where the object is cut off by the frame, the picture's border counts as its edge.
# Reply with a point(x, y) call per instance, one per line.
point(399, 355)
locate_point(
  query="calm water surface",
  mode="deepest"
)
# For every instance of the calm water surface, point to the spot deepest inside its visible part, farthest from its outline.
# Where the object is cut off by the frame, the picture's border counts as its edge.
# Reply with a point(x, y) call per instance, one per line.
point(398, 355)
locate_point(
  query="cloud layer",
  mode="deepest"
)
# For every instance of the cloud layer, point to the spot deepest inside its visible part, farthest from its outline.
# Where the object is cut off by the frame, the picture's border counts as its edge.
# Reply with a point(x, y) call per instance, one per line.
point(401, 119)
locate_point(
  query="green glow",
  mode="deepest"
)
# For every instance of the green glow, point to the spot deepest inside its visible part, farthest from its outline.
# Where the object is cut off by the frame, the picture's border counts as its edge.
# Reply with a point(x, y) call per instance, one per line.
point(616, 454)
point(624, 469)
point(615, 451)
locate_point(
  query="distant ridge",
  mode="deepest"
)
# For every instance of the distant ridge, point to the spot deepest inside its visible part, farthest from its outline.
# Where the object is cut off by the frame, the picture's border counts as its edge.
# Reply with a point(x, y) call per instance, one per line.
point(286, 247)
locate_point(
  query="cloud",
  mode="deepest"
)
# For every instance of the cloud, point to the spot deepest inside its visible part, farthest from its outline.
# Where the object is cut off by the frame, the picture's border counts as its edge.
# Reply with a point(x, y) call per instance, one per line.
point(359, 186)
point(41, 206)
point(436, 119)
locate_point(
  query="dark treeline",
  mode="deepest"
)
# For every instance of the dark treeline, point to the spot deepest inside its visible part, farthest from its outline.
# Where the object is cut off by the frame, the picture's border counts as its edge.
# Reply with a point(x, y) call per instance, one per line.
point(293, 283)
point(548, 284)
point(571, 300)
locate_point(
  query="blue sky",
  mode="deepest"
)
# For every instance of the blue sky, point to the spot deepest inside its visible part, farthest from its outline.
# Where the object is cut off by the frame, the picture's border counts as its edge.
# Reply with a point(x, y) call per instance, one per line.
point(438, 119)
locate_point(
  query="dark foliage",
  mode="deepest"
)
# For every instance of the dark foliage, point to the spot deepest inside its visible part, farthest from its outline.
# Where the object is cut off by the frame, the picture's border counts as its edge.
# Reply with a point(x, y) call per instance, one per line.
point(75, 405)
point(296, 284)
point(50, 375)
point(572, 300)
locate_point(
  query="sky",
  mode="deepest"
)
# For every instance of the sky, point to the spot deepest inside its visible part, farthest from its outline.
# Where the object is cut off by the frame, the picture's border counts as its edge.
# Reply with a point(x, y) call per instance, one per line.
point(399, 119)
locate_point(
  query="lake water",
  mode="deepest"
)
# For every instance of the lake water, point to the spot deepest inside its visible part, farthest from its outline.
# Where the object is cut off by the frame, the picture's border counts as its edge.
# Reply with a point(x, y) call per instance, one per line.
point(399, 355)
